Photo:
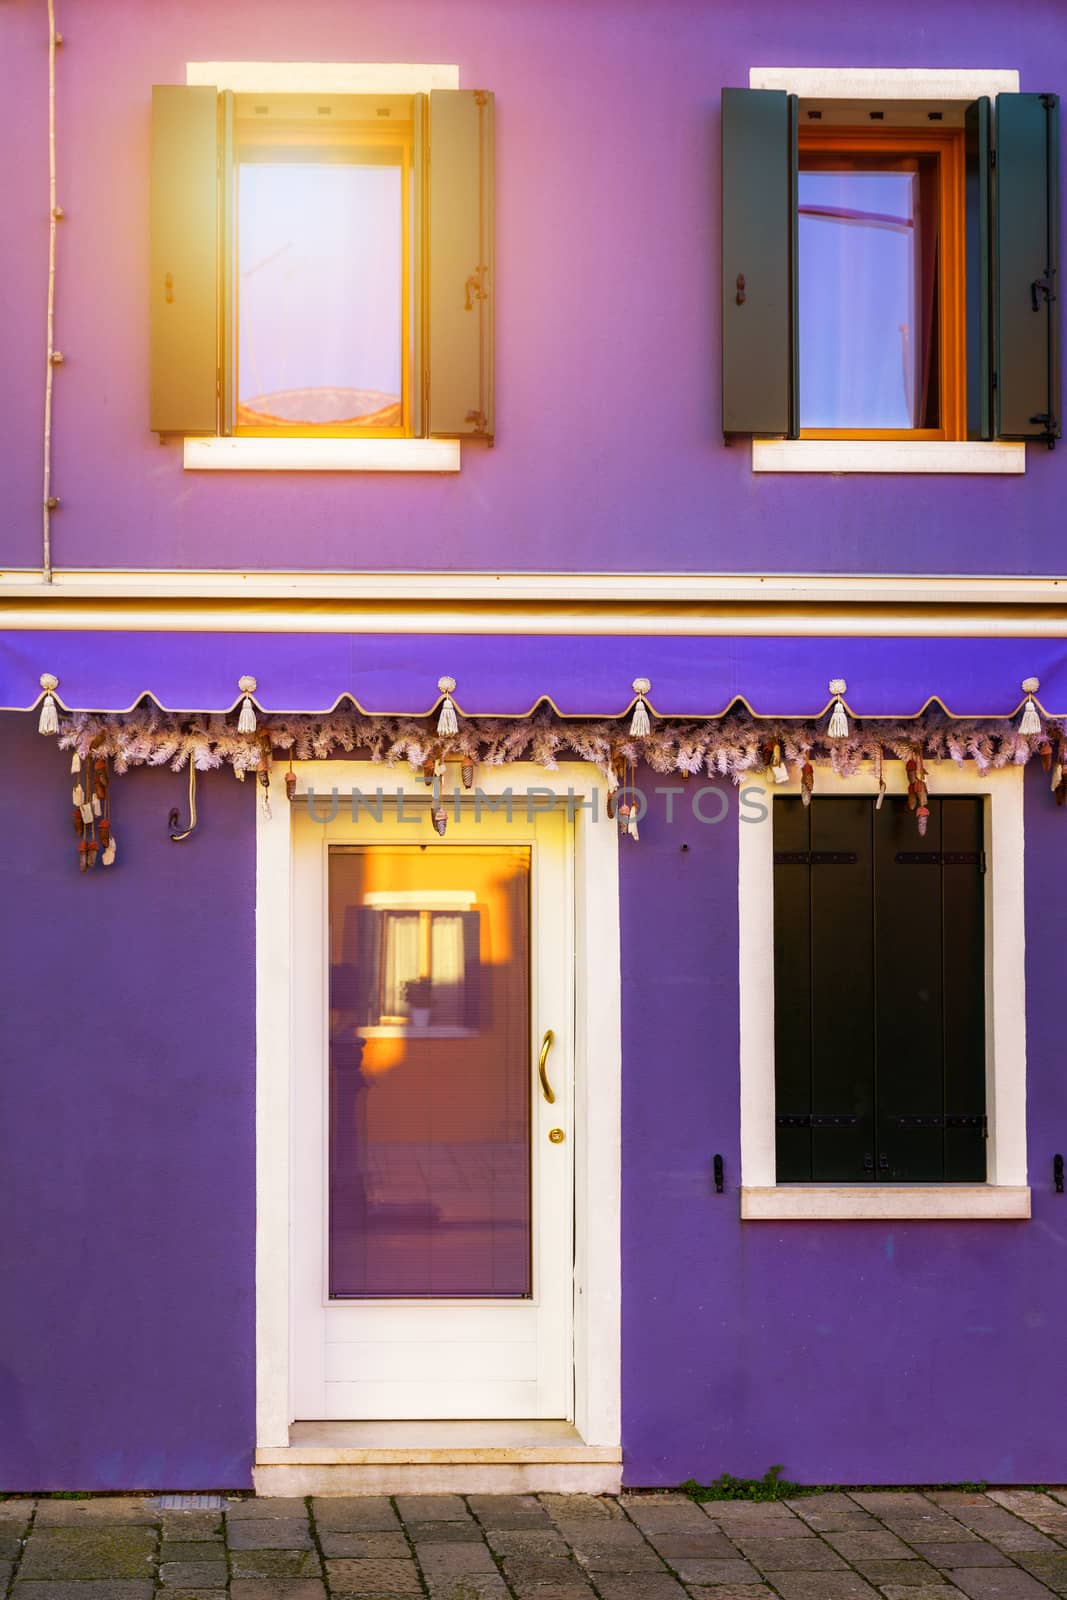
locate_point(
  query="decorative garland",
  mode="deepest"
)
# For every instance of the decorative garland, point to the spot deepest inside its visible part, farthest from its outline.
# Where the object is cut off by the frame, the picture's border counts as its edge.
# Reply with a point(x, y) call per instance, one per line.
point(729, 747)
point(726, 747)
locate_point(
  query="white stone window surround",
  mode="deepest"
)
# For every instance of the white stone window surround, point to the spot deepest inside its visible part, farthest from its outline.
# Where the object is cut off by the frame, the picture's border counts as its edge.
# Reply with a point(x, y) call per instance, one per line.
point(321, 455)
point(887, 455)
point(1005, 1195)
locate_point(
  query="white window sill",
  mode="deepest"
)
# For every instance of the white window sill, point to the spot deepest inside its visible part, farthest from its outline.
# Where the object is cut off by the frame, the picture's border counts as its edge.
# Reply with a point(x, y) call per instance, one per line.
point(853, 1203)
point(322, 455)
point(887, 455)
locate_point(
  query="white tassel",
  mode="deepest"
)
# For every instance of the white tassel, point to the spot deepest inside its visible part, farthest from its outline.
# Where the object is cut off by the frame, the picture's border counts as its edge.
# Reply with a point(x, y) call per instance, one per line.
point(1031, 722)
point(108, 857)
point(87, 814)
point(75, 764)
point(49, 721)
point(447, 724)
point(77, 795)
point(246, 722)
point(98, 810)
point(838, 728)
point(640, 726)
point(631, 823)
point(239, 774)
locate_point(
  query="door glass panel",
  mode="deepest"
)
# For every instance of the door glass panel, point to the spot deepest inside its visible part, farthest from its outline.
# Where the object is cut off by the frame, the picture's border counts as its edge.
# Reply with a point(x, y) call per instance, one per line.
point(429, 1071)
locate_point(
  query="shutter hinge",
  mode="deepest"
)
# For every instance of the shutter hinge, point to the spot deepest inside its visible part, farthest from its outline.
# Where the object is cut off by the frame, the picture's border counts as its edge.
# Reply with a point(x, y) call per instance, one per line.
point(815, 858)
point(812, 1120)
point(978, 1123)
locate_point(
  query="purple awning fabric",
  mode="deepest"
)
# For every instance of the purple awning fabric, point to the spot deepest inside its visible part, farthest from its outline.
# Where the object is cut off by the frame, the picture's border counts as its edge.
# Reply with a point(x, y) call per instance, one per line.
point(509, 675)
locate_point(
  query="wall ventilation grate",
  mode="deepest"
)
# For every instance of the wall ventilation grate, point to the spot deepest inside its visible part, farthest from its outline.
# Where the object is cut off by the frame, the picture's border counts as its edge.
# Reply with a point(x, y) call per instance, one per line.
point(190, 1502)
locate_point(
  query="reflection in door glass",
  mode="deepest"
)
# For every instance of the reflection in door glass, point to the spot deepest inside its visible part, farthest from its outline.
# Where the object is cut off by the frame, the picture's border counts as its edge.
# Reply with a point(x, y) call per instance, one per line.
point(429, 1071)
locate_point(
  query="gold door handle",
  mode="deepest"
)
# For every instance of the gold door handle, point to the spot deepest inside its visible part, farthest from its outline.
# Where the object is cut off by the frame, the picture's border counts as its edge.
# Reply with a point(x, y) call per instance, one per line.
point(546, 1087)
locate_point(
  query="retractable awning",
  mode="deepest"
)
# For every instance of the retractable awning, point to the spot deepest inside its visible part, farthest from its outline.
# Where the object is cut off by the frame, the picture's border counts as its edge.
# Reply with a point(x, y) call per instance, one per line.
point(510, 675)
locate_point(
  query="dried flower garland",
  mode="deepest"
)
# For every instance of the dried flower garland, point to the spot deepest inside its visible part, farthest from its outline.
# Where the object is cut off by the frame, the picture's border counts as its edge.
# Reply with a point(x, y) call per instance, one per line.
point(731, 747)
point(725, 747)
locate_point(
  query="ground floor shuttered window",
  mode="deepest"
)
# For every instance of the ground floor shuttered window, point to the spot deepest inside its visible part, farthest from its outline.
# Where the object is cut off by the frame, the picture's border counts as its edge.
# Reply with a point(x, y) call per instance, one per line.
point(879, 991)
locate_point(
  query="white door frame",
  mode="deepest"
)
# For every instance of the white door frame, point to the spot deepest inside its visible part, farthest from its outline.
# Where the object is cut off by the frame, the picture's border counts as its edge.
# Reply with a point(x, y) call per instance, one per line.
point(597, 1072)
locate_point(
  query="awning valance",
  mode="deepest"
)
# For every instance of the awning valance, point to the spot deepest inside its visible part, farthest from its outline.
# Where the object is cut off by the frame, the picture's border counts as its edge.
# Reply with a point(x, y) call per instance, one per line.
point(579, 675)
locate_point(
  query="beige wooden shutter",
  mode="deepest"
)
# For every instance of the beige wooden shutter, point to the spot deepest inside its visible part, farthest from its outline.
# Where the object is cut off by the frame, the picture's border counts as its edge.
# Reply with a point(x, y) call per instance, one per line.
point(184, 282)
point(459, 264)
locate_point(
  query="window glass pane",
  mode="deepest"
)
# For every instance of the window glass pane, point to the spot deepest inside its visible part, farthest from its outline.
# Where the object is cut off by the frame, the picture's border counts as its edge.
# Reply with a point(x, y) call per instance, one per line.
point(430, 1072)
point(320, 247)
point(868, 294)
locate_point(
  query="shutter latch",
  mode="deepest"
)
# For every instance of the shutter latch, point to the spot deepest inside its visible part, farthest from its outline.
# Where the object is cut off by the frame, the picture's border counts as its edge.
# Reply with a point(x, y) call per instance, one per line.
point(1042, 286)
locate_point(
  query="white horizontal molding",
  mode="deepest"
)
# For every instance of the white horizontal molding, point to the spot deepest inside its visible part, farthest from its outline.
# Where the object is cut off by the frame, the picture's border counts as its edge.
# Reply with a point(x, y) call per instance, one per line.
point(885, 1202)
point(884, 83)
point(887, 455)
point(650, 590)
point(322, 455)
point(321, 77)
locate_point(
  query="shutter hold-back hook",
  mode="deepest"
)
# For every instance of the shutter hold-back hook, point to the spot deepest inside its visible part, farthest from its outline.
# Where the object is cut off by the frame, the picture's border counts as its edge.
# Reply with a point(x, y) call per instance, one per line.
point(172, 822)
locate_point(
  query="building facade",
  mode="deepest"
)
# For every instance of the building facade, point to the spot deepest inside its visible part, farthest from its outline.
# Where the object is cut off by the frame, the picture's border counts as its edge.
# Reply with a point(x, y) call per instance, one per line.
point(587, 471)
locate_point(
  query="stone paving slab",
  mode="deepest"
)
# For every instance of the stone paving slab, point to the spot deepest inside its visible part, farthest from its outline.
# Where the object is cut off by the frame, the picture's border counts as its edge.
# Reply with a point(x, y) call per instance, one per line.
point(950, 1544)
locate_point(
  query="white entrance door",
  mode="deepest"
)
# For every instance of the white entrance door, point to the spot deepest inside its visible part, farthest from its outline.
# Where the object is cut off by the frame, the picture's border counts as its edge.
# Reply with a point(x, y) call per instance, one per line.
point(432, 1212)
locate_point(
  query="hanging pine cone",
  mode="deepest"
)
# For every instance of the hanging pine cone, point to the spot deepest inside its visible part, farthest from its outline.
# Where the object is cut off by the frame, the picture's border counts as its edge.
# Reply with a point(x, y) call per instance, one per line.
point(440, 820)
point(807, 782)
point(1044, 750)
point(429, 766)
point(467, 774)
point(923, 815)
point(76, 818)
point(290, 786)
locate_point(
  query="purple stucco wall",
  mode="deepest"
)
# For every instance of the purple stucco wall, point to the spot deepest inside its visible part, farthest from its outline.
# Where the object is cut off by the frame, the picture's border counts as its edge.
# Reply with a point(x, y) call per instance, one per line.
point(127, 1136)
point(849, 1352)
point(609, 452)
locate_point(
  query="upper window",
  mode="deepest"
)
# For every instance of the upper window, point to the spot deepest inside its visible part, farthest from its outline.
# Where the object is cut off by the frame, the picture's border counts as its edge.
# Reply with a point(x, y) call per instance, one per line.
point(322, 264)
point(889, 270)
point(322, 279)
point(880, 269)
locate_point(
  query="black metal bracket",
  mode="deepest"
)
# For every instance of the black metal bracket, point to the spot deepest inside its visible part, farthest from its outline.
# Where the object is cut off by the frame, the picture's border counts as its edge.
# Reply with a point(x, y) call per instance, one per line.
point(968, 1121)
point(717, 1171)
point(815, 858)
point(1057, 1173)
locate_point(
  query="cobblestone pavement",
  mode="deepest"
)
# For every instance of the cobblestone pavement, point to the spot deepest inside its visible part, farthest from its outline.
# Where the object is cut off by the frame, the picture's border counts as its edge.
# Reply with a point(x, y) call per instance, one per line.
point(898, 1545)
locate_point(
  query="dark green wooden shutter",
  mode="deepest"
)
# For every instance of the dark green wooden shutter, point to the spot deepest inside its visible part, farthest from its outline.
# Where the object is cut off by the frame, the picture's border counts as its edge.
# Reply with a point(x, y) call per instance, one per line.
point(879, 992)
point(979, 245)
point(760, 387)
point(459, 264)
point(1026, 182)
point(184, 270)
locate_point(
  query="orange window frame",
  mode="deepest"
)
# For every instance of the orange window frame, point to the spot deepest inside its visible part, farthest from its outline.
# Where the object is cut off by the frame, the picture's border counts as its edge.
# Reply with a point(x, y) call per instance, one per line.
point(400, 137)
point(947, 144)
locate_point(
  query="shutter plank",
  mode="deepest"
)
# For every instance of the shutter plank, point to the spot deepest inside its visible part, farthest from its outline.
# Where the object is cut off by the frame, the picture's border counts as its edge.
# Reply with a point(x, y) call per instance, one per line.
point(963, 964)
point(842, 990)
point(792, 991)
point(184, 257)
point(460, 264)
point(909, 1015)
point(759, 219)
point(1026, 177)
point(979, 244)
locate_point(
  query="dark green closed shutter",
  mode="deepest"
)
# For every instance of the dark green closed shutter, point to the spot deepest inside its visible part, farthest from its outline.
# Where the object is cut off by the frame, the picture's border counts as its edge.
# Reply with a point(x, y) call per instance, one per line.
point(459, 265)
point(184, 260)
point(760, 387)
point(879, 992)
point(1026, 184)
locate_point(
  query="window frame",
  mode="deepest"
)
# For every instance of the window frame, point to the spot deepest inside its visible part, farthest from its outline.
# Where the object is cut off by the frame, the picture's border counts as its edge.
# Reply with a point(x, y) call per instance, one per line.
point(947, 144)
point(351, 453)
point(285, 132)
point(883, 456)
point(1005, 1194)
